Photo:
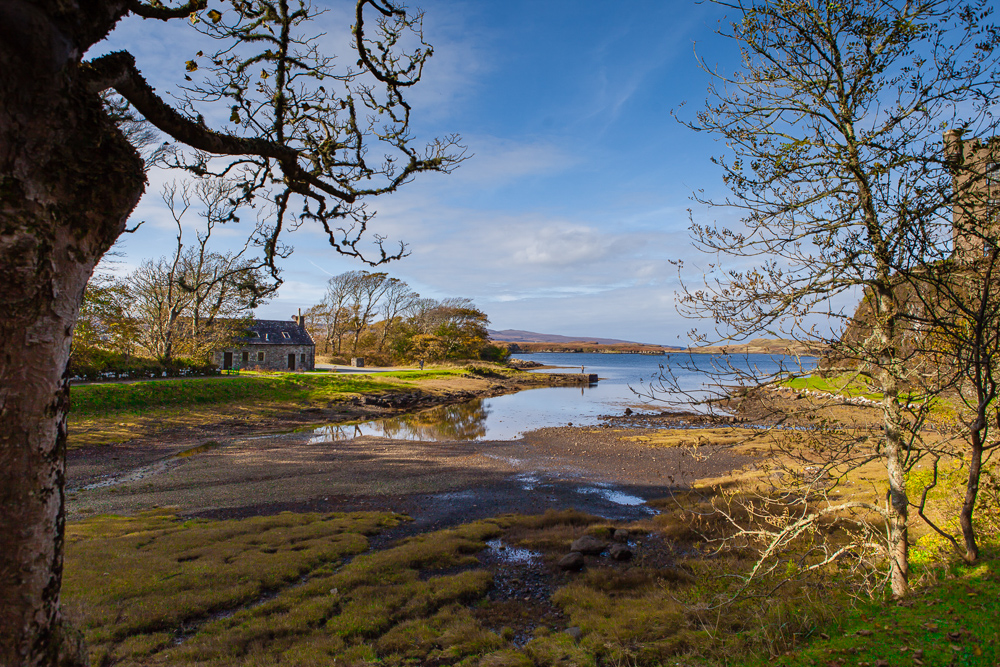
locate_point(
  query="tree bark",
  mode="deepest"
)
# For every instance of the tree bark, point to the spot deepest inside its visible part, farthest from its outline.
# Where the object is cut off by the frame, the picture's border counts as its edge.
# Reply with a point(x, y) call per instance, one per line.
point(971, 554)
point(68, 181)
point(897, 506)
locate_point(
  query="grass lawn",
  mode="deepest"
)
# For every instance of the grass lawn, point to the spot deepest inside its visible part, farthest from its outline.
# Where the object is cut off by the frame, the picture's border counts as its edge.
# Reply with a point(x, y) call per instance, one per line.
point(952, 619)
point(92, 400)
point(845, 385)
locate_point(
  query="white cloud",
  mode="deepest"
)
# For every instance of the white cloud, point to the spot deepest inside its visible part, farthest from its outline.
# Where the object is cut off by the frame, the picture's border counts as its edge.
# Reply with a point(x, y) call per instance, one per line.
point(557, 247)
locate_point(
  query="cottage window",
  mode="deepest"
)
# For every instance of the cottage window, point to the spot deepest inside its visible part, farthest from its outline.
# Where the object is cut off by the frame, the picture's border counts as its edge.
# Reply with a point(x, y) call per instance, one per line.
point(302, 358)
point(246, 357)
point(260, 356)
point(254, 334)
point(286, 334)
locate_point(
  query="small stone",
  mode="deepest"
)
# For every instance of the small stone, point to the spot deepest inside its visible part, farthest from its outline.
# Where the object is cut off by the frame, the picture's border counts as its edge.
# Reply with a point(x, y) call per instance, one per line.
point(621, 535)
point(620, 552)
point(572, 562)
point(588, 544)
point(574, 632)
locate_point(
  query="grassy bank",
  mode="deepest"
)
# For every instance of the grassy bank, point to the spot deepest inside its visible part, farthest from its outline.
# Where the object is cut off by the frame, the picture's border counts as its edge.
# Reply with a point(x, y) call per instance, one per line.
point(92, 400)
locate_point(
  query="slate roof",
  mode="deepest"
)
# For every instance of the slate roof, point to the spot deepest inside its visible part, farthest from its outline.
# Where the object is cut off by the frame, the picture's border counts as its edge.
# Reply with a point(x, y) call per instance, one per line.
point(277, 332)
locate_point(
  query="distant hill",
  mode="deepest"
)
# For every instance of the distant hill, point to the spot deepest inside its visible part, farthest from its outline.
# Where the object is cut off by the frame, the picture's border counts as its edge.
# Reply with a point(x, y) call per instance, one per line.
point(518, 341)
point(530, 341)
point(765, 346)
point(518, 336)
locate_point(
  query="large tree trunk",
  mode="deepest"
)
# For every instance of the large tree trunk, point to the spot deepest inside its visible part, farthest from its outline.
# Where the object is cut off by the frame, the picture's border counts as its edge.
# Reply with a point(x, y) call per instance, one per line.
point(69, 180)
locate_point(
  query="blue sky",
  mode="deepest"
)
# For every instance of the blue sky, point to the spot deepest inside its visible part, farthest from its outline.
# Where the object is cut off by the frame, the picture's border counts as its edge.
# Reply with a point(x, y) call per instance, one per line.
point(567, 217)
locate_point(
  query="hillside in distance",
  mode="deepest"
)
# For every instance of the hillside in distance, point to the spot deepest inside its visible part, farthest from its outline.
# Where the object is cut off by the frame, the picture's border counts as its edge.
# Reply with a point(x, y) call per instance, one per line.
point(766, 346)
point(518, 336)
point(516, 341)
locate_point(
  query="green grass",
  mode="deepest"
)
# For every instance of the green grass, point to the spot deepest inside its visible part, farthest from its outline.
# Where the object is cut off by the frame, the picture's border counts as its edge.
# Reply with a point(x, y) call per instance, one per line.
point(953, 618)
point(846, 385)
point(103, 399)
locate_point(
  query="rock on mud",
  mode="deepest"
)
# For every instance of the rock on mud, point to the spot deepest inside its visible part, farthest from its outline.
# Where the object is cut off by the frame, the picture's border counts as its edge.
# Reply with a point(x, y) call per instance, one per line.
point(588, 544)
point(620, 552)
point(572, 562)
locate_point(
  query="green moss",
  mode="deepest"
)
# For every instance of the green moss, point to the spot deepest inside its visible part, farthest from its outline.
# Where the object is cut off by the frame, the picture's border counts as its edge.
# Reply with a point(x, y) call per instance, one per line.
point(137, 578)
point(300, 590)
point(558, 649)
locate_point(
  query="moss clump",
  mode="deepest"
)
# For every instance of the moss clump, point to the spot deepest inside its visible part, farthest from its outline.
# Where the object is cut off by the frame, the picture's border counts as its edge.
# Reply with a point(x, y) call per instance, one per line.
point(140, 581)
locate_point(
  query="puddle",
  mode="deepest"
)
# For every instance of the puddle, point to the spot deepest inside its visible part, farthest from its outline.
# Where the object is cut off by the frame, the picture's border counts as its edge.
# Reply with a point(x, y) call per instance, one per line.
point(529, 481)
point(200, 449)
point(506, 553)
point(467, 495)
point(618, 497)
point(461, 421)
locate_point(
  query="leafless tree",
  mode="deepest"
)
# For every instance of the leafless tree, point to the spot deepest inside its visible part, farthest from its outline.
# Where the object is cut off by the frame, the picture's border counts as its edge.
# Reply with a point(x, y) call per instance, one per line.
point(367, 289)
point(397, 298)
point(834, 124)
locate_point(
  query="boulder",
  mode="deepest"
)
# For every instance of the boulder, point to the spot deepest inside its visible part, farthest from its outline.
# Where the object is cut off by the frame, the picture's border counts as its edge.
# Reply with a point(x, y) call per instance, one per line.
point(588, 544)
point(621, 535)
point(620, 552)
point(572, 562)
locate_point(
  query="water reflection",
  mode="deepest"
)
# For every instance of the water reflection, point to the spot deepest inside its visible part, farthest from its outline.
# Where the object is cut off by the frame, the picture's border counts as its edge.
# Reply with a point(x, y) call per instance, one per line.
point(462, 421)
point(511, 416)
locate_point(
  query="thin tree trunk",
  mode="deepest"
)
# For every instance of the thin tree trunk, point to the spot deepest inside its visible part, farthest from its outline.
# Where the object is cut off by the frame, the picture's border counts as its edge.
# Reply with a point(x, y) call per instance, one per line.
point(897, 506)
point(971, 492)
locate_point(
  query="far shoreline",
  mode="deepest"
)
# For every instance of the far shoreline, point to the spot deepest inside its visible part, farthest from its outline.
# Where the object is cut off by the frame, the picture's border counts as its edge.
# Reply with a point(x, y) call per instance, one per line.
point(773, 346)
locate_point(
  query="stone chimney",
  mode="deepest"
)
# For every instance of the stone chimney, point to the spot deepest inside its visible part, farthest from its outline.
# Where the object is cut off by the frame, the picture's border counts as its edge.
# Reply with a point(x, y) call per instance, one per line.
point(299, 319)
point(953, 147)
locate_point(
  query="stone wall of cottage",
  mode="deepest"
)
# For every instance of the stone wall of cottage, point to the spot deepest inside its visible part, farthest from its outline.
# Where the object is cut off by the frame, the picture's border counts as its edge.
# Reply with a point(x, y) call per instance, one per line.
point(275, 357)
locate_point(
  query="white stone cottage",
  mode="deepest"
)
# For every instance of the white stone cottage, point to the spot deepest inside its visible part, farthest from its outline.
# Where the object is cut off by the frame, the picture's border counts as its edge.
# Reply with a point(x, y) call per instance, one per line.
point(272, 345)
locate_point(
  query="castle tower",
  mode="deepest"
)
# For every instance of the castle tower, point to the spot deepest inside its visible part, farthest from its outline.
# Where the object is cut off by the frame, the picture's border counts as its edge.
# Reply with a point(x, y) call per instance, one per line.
point(975, 167)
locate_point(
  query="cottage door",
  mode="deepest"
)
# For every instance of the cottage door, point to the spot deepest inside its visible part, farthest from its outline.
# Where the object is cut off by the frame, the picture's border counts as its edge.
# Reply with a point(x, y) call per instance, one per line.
point(291, 362)
point(227, 361)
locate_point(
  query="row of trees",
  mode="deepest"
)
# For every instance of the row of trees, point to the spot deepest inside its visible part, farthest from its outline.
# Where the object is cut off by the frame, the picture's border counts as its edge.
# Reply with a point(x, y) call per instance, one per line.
point(374, 315)
point(185, 304)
